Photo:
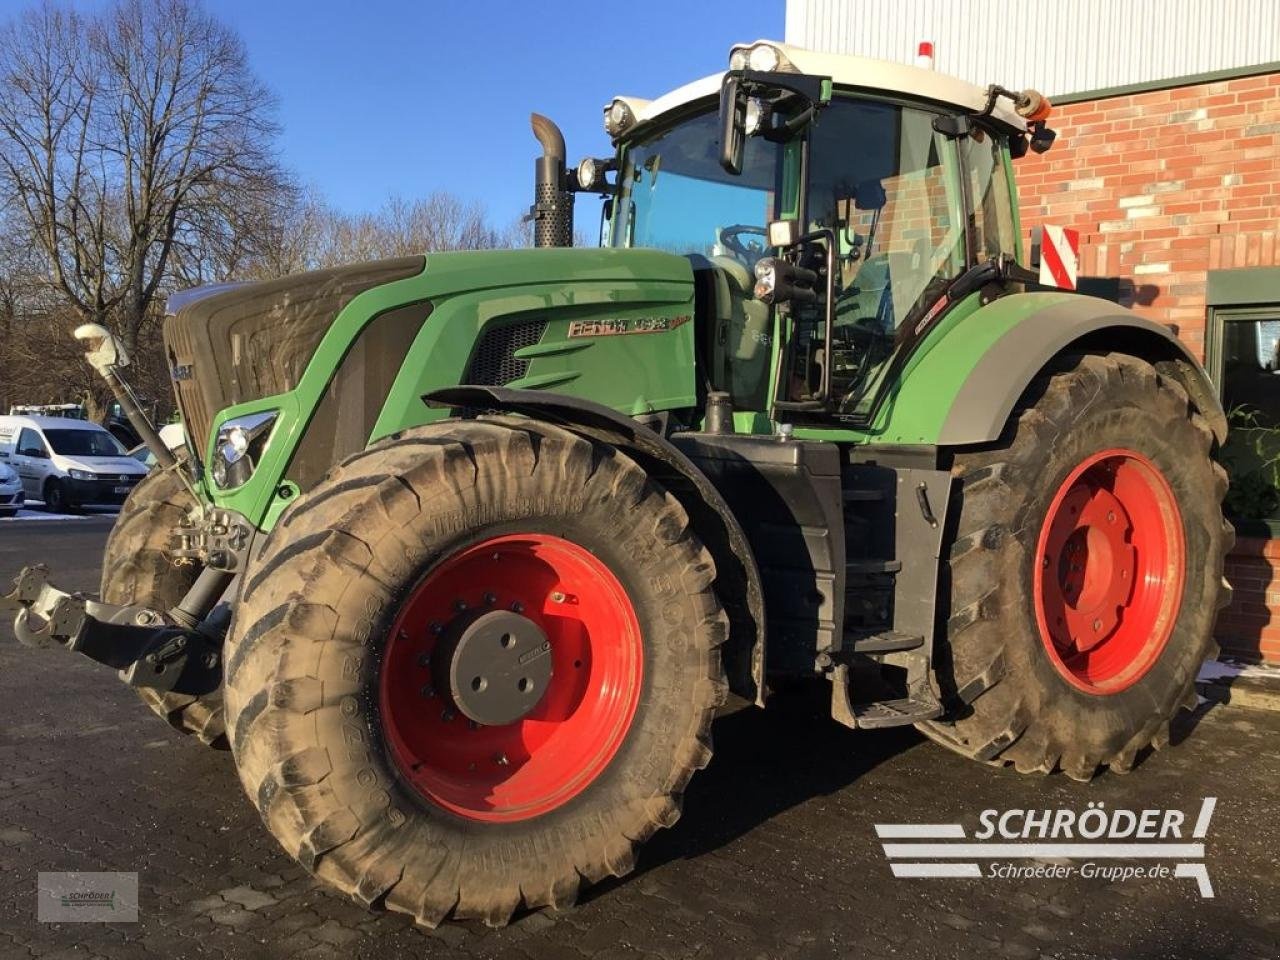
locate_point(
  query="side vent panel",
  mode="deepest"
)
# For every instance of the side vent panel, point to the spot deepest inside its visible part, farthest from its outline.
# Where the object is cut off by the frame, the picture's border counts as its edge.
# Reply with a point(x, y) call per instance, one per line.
point(494, 363)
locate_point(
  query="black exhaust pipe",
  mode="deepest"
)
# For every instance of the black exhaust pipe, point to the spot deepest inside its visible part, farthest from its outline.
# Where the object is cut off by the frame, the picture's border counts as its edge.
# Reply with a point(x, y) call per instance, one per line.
point(552, 210)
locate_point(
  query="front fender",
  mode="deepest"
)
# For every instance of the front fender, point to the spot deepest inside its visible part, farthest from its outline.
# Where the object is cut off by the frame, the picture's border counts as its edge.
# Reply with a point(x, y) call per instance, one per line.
point(738, 582)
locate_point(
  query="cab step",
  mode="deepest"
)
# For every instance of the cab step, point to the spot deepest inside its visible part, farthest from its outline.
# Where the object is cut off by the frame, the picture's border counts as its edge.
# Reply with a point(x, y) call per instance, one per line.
point(896, 713)
point(863, 496)
point(919, 704)
point(872, 566)
point(882, 641)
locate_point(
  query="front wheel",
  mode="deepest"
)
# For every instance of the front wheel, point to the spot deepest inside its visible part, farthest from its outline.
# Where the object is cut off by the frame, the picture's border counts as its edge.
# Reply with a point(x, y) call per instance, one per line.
point(55, 497)
point(137, 568)
point(1085, 573)
point(474, 668)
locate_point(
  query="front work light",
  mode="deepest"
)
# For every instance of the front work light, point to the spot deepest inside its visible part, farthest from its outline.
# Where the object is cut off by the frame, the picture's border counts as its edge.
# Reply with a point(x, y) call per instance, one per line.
point(239, 447)
point(590, 174)
point(618, 116)
point(761, 57)
point(778, 281)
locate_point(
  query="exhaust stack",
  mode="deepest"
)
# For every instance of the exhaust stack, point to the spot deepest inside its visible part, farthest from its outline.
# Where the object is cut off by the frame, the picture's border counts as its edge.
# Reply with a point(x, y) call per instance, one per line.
point(552, 210)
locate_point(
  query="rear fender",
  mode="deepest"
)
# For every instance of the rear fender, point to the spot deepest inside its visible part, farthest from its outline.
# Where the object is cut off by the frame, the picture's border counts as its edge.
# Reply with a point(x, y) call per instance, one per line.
point(738, 582)
point(986, 399)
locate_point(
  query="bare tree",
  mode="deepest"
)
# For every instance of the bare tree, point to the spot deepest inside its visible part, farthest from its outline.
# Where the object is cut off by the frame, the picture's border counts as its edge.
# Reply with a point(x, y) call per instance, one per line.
point(128, 136)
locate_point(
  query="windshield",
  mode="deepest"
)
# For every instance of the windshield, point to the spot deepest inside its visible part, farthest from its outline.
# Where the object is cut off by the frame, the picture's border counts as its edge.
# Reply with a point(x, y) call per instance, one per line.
point(84, 443)
point(675, 196)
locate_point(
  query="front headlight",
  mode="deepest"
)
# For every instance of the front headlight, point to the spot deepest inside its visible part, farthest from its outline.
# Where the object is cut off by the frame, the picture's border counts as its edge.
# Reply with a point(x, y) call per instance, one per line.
point(81, 475)
point(239, 447)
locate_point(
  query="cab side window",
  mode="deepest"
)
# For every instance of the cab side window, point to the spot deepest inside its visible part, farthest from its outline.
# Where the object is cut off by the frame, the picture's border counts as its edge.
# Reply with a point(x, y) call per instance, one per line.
point(881, 178)
point(984, 162)
point(30, 444)
point(887, 186)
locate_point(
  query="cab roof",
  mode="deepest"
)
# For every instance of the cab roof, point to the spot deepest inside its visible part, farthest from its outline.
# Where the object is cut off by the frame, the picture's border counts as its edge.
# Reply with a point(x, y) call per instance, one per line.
point(866, 73)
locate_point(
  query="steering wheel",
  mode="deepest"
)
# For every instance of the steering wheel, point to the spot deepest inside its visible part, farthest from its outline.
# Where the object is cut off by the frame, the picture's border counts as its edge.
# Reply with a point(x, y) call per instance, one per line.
point(731, 239)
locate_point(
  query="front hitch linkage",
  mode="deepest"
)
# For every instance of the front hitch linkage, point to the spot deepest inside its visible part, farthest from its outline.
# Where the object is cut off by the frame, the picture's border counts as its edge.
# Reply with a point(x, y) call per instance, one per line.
point(144, 645)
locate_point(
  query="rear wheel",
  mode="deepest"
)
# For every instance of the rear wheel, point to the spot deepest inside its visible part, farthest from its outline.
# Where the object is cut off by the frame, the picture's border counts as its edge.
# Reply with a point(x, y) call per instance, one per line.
point(1085, 573)
point(137, 568)
point(475, 668)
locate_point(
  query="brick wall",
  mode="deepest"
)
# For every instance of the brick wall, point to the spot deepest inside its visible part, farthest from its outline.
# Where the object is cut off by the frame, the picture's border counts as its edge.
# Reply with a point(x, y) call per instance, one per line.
point(1163, 187)
point(1250, 628)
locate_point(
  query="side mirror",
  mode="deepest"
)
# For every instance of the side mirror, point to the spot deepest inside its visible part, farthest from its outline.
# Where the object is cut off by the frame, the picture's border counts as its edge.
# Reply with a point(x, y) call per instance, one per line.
point(104, 347)
point(733, 125)
point(1041, 138)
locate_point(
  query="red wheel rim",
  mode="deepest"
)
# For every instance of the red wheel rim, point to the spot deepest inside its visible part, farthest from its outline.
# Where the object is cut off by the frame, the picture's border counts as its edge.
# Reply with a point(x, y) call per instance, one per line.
point(1110, 564)
point(523, 769)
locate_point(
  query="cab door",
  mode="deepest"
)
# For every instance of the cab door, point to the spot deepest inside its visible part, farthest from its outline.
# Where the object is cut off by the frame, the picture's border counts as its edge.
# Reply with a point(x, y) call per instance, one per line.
point(33, 462)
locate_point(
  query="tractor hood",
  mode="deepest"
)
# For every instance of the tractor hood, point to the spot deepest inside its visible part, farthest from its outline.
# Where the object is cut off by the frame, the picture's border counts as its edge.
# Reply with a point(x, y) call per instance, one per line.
point(236, 343)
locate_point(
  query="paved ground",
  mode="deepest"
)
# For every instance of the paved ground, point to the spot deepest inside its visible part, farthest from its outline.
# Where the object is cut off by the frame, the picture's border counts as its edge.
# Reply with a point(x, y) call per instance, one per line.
point(775, 857)
point(36, 510)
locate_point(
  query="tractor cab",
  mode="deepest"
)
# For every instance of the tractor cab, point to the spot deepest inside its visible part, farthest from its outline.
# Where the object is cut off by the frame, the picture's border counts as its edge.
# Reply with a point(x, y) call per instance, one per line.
point(856, 196)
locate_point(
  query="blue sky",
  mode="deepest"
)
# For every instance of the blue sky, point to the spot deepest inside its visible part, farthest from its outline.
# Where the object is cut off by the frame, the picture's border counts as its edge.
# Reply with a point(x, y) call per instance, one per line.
point(381, 97)
point(410, 97)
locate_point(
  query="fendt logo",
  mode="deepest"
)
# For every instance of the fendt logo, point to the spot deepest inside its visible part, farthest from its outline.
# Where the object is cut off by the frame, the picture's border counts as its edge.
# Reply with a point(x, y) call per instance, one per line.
point(1092, 843)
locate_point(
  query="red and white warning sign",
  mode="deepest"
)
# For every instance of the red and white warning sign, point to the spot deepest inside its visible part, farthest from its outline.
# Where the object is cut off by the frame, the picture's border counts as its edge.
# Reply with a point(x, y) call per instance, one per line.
point(1059, 256)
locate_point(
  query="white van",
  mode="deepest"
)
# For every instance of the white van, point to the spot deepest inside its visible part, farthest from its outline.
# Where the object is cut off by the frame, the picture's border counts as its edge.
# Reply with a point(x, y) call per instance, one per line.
point(67, 463)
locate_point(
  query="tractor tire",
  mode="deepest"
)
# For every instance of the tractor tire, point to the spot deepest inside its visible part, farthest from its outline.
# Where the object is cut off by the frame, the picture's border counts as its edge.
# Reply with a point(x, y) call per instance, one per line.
point(1085, 573)
point(136, 568)
point(357, 705)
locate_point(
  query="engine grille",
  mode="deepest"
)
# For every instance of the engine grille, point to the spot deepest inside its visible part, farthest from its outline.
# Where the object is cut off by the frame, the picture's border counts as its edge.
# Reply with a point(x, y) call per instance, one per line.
point(494, 363)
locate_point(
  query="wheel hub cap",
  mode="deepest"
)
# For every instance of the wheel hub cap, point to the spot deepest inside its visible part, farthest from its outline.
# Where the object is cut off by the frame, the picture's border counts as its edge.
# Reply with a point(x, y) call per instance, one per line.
point(1110, 561)
point(497, 664)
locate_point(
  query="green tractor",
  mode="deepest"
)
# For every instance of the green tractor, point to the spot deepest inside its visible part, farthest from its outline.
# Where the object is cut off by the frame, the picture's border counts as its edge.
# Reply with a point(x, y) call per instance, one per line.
point(467, 551)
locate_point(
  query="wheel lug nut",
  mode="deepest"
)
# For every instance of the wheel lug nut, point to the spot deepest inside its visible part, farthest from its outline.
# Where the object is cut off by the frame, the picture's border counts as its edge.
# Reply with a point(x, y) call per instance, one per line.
point(428, 691)
point(557, 597)
point(473, 725)
point(500, 759)
point(517, 607)
point(436, 628)
point(424, 661)
point(447, 715)
point(459, 605)
point(1111, 516)
point(490, 599)
point(1097, 625)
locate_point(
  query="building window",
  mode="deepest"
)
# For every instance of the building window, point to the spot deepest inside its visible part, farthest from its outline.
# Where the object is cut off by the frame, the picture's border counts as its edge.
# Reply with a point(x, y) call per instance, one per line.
point(1245, 362)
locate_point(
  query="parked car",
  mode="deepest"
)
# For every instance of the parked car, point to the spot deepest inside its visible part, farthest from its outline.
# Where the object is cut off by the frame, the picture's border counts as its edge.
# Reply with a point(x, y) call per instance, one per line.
point(174, 437)
point(67, 463)
point(11, 492)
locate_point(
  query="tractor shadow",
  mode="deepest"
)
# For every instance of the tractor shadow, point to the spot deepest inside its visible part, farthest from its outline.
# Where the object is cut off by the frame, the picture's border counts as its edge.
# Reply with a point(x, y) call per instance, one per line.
point(765, 762)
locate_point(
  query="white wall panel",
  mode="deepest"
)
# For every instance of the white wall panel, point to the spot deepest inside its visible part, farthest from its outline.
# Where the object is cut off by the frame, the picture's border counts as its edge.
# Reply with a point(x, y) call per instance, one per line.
point(1062, 47)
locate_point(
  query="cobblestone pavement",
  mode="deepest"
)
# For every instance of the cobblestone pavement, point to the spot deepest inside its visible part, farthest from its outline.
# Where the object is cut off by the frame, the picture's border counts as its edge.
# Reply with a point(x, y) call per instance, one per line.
point(775, 857)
